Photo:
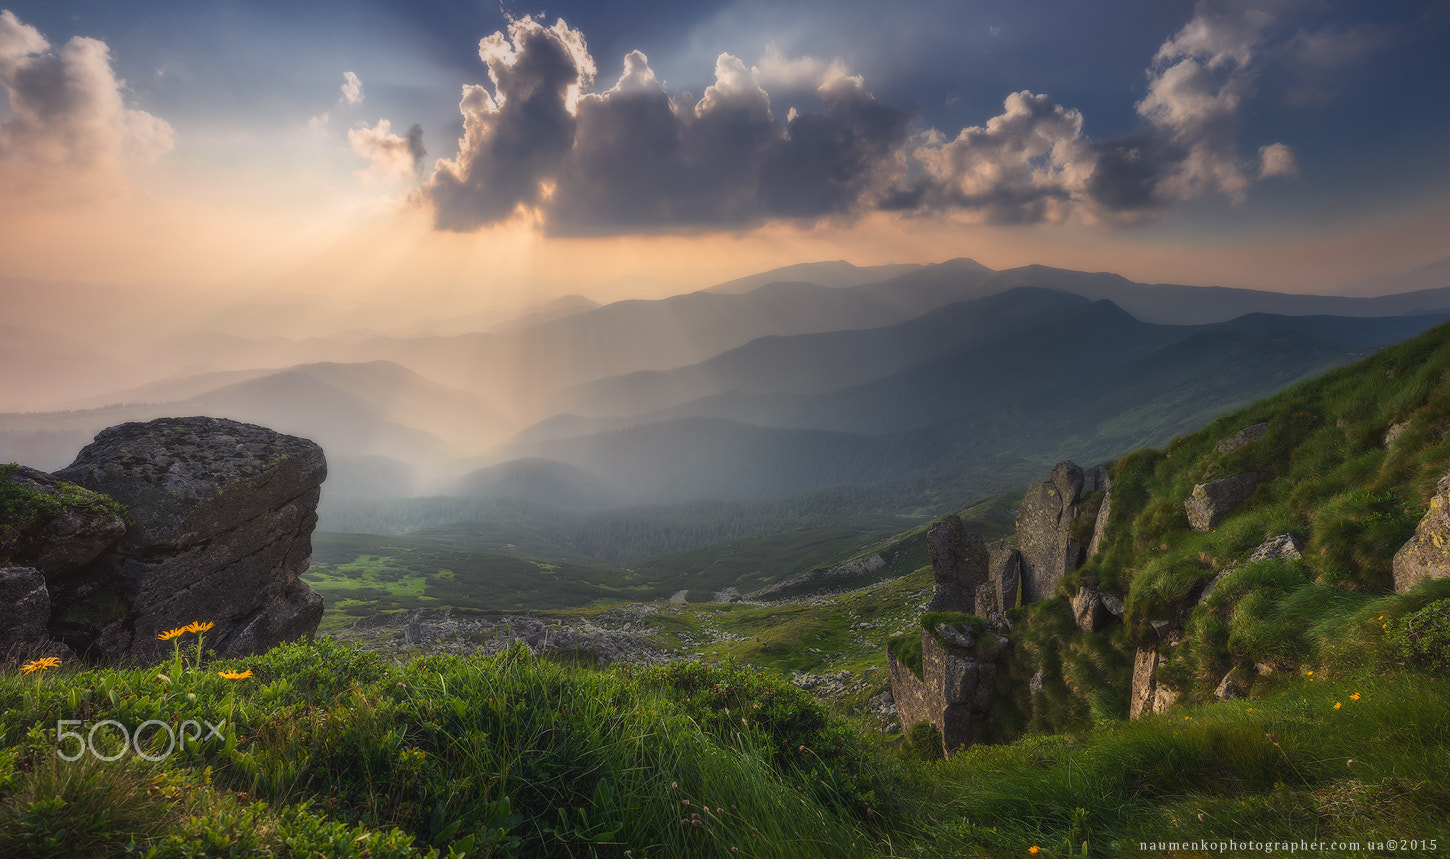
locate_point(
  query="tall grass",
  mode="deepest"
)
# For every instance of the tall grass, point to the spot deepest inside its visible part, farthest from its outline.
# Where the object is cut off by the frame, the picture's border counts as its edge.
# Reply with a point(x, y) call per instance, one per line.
point(494, 756)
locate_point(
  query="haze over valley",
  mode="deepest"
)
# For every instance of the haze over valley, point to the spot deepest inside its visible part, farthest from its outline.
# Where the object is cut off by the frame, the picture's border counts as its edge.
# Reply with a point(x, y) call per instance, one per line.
point(914, 390)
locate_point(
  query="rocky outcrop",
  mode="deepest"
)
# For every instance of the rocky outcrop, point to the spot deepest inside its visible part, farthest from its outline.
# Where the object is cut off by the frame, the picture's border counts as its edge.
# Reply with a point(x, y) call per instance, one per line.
point(954, 692)
point(1213, 501)
point(1148, 695)
point(1284, 547)
point(958, 563)
point(1044, 531)
point(1004, 568)
point(1089, 610)
point(1229, 688)
point(1243, 438)
point(1393, 434)
point(1427, 554)
point(219, 525)
point(1100, 526)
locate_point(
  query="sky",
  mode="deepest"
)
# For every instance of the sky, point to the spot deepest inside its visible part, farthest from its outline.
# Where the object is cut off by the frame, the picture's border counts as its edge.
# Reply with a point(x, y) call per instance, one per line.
point(466, 155)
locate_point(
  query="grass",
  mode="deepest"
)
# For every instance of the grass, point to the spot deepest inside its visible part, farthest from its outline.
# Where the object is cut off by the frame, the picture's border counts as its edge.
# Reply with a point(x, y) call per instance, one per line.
point(494, 756)
point(329, 751)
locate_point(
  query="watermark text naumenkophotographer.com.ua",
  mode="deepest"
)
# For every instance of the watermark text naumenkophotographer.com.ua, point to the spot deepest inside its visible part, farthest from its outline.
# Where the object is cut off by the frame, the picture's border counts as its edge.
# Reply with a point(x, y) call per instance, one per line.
point(1231, 847)
point(189, 731)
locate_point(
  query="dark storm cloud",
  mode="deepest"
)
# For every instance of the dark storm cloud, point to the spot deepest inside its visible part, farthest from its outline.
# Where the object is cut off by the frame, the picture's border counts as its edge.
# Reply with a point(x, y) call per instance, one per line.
point(634, 158)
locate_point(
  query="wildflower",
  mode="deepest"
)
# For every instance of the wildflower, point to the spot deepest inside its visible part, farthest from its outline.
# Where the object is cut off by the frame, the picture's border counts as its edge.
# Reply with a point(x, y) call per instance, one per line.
point(1337, 705)
point(1354, 696)
point(198, 626)
point(42, 664)
point(235, 675)
point(1034, 850)
point(1311, 673)
point(171, 633)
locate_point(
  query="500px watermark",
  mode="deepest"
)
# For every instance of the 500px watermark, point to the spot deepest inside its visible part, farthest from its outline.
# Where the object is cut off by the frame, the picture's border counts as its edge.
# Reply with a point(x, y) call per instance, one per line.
point(131, 741)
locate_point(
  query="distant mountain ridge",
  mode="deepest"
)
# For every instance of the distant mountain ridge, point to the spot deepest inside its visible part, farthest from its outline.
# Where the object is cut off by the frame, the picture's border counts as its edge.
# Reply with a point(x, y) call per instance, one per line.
point(888, 376)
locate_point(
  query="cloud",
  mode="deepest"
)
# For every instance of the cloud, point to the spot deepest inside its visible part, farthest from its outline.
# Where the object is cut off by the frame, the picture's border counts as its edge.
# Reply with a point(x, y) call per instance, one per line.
point(514, 138)
point(1276, 159)
point(1316, 61)
point(389, 155)
point(1032, 164)
point(1028, 164)
point(538, 144)
point(352, 88)
point(632, 158)
point(71, 137)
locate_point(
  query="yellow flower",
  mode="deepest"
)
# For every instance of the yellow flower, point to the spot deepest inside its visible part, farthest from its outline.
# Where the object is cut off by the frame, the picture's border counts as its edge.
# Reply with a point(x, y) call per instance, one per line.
point(41, 664)
point(171, 633)
point(1354, 697)
point(198, 626)
point(1034, 850)
point(235, 675)
point(1311, 673)
point(1337, 705)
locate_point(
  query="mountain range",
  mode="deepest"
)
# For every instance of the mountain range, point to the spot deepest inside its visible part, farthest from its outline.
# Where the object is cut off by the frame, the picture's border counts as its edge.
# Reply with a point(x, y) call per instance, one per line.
point(951, 378)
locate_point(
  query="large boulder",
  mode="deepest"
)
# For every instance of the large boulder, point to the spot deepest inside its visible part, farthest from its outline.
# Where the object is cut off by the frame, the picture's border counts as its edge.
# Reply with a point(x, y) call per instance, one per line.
point(958, 563)
point(954, 692)
point(1044, 531)
point(27, 611)
point(221, 514)
point(1427, 554)
point(1211, 502)
point(51, 525)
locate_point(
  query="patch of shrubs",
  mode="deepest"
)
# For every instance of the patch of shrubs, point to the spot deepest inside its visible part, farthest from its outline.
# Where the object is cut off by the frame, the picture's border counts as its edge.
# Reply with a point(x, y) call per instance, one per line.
point(1423, 637)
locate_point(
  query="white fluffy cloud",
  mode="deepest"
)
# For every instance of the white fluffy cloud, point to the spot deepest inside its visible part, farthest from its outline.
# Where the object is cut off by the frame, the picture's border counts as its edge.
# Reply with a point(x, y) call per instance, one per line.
point(352, 88)
point(389, 155)
point(1031, 163)
point(71, 137)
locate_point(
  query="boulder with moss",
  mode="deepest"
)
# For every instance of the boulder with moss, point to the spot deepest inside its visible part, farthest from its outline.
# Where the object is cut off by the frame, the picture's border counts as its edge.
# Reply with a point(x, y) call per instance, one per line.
point(220, 514)
point(946, 675)
point(1045, 531)
point(1427, 554)
point(1211, 502)
point(52, 525)
point(958, 563)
